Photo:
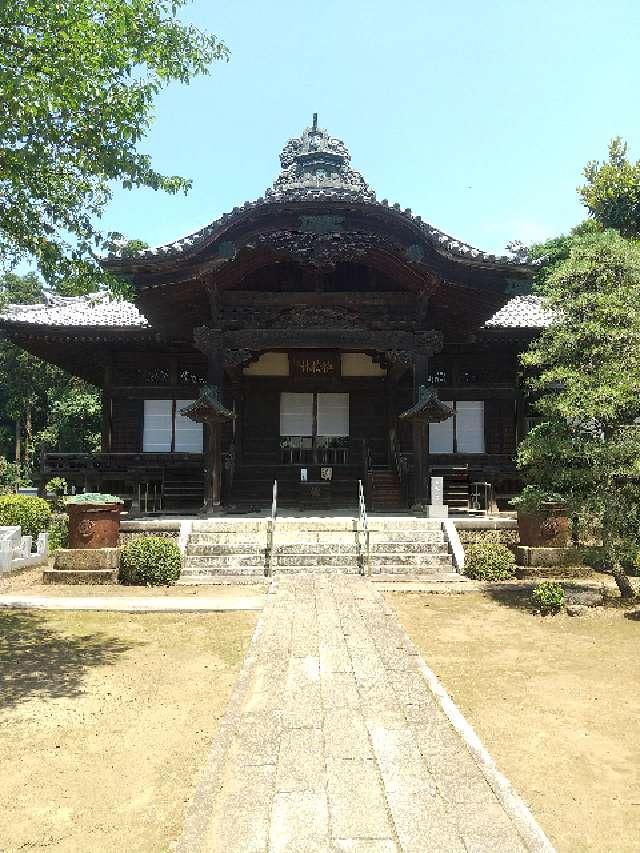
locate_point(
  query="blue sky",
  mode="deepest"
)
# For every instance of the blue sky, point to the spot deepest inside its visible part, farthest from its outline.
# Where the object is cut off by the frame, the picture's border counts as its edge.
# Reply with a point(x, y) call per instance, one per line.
point(479, 116)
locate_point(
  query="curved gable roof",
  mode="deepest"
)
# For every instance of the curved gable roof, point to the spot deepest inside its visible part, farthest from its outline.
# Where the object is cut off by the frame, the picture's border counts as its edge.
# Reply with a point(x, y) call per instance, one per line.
point(315, 168)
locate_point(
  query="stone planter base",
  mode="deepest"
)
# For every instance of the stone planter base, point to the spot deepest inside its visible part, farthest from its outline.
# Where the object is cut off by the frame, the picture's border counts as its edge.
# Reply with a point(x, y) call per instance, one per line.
point(547, 557)
point(541, 563)
point(84, 565)
point(67, 576)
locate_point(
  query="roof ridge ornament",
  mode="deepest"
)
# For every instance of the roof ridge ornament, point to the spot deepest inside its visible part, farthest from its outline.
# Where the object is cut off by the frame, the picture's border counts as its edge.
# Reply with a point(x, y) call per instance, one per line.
point(317, 161)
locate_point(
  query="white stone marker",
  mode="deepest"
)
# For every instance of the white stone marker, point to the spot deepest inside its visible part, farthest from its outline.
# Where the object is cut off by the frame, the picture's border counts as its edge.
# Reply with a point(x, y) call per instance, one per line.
point(437, 508)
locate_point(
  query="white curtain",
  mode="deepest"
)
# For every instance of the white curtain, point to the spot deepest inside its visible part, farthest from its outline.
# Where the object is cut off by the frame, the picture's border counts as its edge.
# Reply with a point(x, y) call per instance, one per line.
point(188, 432)
point(470, 426)
point(156, 436)
point(333, 415)
point(441, 435)
point(296, 414)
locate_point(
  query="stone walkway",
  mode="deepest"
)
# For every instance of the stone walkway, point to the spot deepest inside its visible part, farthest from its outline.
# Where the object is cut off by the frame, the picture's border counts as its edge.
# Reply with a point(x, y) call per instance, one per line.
point(334, 741)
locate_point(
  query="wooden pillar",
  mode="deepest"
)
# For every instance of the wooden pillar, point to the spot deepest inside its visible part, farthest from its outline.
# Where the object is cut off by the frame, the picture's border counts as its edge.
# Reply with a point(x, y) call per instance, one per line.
point(105, 437)
point(213, 467)
point(420, 378)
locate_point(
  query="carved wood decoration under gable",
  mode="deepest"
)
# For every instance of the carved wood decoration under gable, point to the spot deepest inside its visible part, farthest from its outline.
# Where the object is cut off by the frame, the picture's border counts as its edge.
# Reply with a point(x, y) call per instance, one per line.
point(312, 316)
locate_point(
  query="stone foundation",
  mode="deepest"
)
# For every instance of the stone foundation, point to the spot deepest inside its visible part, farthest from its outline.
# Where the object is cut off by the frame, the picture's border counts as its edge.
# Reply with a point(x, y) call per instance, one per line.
point(84, 565)
point(547, 557)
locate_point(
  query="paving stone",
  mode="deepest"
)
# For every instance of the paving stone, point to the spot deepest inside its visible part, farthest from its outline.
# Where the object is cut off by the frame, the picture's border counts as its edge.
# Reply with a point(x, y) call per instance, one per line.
point(423, 823)
point(360, 845)
point(401, 764)
point(339, 690)
point(356, 801)
point(345, 735)
point(301, 763)
point(298, 819)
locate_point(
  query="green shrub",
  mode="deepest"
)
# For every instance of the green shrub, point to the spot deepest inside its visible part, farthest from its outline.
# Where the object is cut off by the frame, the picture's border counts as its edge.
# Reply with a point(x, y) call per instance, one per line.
point(489, 562)
point(58, 532)
point(30, 512)
point(150, 561)
point(547, 596)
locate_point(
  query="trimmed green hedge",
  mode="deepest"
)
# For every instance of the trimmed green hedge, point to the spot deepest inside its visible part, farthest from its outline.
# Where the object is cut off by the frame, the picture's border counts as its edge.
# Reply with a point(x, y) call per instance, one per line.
point(150, 561)
point(33, 514)
point(489, 562)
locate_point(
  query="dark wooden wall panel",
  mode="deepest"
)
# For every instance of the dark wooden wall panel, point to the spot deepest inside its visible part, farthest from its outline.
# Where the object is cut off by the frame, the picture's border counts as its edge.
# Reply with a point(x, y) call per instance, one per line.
point(500, 426)
point(127, 423)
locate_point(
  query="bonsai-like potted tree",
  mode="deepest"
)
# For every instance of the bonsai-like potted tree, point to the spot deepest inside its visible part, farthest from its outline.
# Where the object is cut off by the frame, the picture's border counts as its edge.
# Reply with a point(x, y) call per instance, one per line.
point(94, 520)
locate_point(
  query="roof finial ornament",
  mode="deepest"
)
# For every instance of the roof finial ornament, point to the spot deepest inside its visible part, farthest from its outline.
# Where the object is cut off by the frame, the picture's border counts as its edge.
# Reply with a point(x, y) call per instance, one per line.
point(315, 122)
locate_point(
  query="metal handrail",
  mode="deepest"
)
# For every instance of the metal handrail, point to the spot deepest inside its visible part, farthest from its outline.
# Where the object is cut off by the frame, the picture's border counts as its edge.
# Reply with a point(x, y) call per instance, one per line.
point(364, 522)
point(271, 527)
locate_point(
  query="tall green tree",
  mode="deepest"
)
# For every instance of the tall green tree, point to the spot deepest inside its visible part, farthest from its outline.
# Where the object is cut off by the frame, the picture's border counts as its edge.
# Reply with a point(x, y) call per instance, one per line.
point(586, 371)
point(612, 192)
point(78, 80)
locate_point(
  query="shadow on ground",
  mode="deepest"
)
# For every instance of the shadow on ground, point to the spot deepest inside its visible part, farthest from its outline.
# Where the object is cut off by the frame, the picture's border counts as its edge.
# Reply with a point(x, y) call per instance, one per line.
point(36, 660)
point(517, 599)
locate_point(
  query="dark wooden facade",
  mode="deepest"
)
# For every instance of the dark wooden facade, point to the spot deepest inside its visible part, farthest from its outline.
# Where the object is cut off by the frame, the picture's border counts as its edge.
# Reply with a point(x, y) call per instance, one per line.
point(312, 274)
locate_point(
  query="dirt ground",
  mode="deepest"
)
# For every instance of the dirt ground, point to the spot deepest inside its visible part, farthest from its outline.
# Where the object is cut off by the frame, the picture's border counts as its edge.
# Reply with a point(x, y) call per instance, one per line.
point(556, 700)
point(29, 582)
point(106, 720)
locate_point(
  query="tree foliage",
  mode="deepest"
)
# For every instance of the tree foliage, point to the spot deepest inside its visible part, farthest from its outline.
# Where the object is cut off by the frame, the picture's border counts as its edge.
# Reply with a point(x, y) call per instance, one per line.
point(585, 371)
point(77, 86)
point(612, 191)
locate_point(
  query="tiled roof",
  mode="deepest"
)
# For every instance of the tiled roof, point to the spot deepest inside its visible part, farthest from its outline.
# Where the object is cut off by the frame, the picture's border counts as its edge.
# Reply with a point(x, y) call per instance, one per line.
point(521, 312)
point(316, 167)
point(94, 310)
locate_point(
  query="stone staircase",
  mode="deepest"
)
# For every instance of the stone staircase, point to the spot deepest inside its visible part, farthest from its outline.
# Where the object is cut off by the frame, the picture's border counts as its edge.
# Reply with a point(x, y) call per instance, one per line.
point(219, 547)
point(237, 547)
point(416, 546)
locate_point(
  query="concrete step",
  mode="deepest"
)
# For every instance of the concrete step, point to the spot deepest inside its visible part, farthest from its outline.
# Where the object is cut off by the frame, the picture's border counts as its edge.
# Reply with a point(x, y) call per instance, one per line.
point(437, 572)
point(224, 538)
point(229, 525)
point(317, 548)
point(215, 549)
point(222, 560)
point(344, 569)
point(194, 576)
point(407, 538)
point(318, 560)
point(408, 547)
point(410, 561)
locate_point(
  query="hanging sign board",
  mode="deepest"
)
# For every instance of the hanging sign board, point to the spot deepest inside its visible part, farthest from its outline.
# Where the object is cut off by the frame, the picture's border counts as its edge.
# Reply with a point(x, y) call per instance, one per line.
point(315, 364)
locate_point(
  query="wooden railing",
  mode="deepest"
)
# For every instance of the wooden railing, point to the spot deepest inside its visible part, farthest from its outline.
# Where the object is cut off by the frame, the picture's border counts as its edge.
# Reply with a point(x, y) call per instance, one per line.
point(340, 455)
point(114, 463)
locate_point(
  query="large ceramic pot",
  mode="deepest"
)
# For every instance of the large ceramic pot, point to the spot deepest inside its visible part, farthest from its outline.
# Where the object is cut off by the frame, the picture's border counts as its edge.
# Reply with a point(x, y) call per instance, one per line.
point(547, 527)
point(94, 525)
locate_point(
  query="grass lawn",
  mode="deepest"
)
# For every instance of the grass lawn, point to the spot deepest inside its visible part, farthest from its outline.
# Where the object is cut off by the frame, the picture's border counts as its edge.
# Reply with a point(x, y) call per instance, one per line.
point(106, 719)
point(556, 700)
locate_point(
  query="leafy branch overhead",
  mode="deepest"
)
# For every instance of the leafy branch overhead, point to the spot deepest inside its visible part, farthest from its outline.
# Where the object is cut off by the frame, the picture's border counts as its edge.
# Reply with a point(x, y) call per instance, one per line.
point(77, 86)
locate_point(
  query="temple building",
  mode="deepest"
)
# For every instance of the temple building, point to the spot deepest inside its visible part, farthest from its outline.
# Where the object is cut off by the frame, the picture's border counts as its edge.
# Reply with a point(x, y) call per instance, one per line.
point(315, 336)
